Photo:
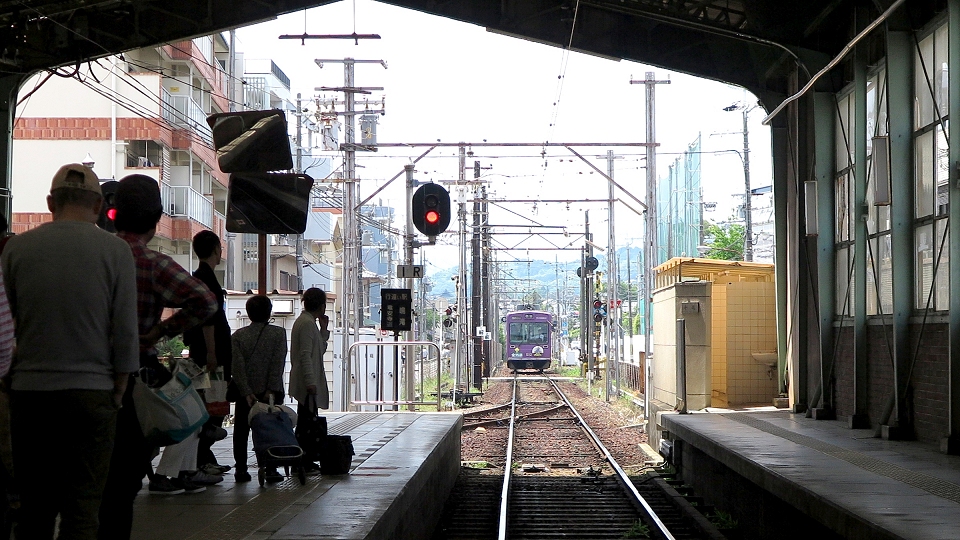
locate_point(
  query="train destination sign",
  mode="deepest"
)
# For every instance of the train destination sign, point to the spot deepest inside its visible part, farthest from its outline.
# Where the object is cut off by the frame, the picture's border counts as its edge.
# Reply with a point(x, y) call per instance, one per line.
point(396, 309)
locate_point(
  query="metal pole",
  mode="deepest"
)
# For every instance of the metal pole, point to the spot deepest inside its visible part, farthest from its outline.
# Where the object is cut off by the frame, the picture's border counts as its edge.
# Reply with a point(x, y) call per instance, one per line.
point(584, 305)
point(682, 365)
point(650, 251)
point(747, 203)
point(489, 314)
point(299, 170)
point(408, 282)
point(462, 356)
point(612, 323)
point(349, 271)
point(591, 359)
point(629, 305)
point(475, 302)
point(231, 240)
point(558, 320)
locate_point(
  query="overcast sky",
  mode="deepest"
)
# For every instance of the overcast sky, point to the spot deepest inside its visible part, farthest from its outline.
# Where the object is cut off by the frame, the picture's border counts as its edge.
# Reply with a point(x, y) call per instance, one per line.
point(457, 82)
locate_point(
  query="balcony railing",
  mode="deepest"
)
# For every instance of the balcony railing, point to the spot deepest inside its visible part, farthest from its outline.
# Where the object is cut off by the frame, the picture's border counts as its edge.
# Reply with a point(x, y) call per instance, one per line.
point(183, 112)
point(184, 201)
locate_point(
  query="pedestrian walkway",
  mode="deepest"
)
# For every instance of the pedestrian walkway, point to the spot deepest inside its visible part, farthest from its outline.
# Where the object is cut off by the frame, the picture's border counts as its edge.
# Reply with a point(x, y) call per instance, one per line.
point(404, 468)
point(852, 484)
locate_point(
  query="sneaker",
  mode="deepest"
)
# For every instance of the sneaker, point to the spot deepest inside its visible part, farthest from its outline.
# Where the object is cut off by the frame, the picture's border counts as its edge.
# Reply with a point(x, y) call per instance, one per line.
point(214, 469)
point(273, 475)
point(311, 468)
point(187, 486)
point(161, 485)
point(202, 478)
point(242, 476)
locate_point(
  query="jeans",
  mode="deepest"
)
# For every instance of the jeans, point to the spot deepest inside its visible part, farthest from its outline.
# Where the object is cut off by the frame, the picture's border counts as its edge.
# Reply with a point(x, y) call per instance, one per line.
point(69, 483)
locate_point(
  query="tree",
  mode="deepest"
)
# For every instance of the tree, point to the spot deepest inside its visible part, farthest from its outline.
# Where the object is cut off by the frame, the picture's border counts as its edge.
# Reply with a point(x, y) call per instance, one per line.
point(726, 242)
point(533, 298)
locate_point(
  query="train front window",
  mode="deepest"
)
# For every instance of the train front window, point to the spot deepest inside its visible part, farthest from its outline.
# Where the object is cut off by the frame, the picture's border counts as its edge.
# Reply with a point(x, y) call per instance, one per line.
point(529, 333)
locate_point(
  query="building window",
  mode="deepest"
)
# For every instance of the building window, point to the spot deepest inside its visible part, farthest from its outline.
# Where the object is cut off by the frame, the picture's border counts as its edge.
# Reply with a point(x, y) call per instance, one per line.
point(843, 206)
point(879, 266)
point(931, 172)
point(143, 154)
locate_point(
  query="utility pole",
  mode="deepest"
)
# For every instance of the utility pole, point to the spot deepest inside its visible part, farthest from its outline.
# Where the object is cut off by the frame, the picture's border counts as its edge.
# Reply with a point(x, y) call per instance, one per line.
point(588, 298)
point(558, 320)
point(408, 245)
point(476, 302)
point(299, 170)
point(489, 313)
point(230, 273)
point(612, 323)
point(748, 195)
point(461, 356)
point(351, 315)
point(650, 246)
point(629, 305)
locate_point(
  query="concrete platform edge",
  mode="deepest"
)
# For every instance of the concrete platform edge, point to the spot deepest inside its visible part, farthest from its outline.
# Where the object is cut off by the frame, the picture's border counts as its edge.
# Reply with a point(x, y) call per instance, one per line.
point(408, 516)
point(828, 513)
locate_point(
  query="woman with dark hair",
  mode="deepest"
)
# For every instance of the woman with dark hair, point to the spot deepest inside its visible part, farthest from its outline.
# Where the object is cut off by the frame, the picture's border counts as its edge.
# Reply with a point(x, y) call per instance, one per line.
point(259, 355)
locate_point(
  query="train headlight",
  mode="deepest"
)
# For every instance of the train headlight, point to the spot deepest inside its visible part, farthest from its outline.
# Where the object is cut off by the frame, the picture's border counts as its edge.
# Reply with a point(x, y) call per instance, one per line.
point(538, 351)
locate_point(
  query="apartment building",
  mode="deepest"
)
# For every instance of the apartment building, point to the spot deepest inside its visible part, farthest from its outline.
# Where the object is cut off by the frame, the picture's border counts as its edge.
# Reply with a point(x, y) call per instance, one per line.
point(140, 112)
point(145, 112)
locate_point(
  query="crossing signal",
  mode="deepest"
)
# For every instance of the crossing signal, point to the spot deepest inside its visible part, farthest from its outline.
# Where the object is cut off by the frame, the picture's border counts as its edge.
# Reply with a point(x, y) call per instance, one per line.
point(108, 210)
point(431, 209)
point(599, 311)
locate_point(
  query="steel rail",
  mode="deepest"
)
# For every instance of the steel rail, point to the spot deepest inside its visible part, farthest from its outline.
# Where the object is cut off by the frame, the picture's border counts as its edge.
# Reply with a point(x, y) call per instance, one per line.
point(621, 474)
point(521, 417)
point(507, 467)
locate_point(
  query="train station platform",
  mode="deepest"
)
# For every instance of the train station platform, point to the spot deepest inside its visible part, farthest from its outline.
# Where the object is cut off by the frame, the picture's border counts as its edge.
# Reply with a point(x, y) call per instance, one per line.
point(803, 478)
point(404, 468)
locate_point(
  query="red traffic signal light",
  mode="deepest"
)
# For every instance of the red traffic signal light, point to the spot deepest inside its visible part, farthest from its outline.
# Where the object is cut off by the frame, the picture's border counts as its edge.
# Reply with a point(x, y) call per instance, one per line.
point(449, 312)
point(108, 209)
point(430, 209)
point(597, 304)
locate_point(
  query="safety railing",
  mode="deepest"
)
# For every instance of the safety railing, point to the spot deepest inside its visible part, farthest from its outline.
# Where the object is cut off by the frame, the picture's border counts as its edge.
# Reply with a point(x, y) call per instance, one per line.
point(184, 201)
point(348, 375)
point(183, 112)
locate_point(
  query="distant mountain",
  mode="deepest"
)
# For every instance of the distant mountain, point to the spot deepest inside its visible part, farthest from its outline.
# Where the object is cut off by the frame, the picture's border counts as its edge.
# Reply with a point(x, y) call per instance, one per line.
point(521, 278)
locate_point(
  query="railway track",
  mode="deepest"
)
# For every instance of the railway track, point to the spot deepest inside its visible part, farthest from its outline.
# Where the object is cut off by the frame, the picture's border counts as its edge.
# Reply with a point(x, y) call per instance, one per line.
point(555, 480)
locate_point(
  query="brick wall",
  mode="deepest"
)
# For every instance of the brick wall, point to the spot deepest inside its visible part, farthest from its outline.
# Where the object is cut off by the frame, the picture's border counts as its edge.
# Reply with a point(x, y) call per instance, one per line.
point(24, 221)
point(930, 381)
point(880, 381)
point(62, 128)
point(843, 372)
point(927, 402)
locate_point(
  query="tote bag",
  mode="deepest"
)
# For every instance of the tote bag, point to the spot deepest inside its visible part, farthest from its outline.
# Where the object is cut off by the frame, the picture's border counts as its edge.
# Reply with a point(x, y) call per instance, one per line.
point(170, 413)
point(216, 395)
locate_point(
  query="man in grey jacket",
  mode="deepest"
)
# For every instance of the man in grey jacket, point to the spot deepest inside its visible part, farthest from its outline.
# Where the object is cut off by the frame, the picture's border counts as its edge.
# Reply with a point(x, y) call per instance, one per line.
point(73, 295)
point(308, 343)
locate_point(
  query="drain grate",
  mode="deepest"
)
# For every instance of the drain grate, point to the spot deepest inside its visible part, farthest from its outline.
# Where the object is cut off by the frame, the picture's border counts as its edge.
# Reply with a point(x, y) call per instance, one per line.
point(935, 486)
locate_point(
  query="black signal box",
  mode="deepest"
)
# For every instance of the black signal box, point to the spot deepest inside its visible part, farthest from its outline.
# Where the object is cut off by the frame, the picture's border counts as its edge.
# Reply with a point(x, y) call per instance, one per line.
point(396, 310)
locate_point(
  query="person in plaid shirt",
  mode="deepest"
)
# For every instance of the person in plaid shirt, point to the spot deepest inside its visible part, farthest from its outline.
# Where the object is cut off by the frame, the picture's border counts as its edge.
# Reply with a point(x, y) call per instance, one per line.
point(161, 283)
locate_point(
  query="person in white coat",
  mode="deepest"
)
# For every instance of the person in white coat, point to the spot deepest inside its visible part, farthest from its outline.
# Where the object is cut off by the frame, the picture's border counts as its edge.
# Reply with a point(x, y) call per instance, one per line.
point(308, 343)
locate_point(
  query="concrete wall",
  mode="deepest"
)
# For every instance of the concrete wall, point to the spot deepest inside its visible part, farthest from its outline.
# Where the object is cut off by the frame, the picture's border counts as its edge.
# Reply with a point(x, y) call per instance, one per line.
point(690, 301)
